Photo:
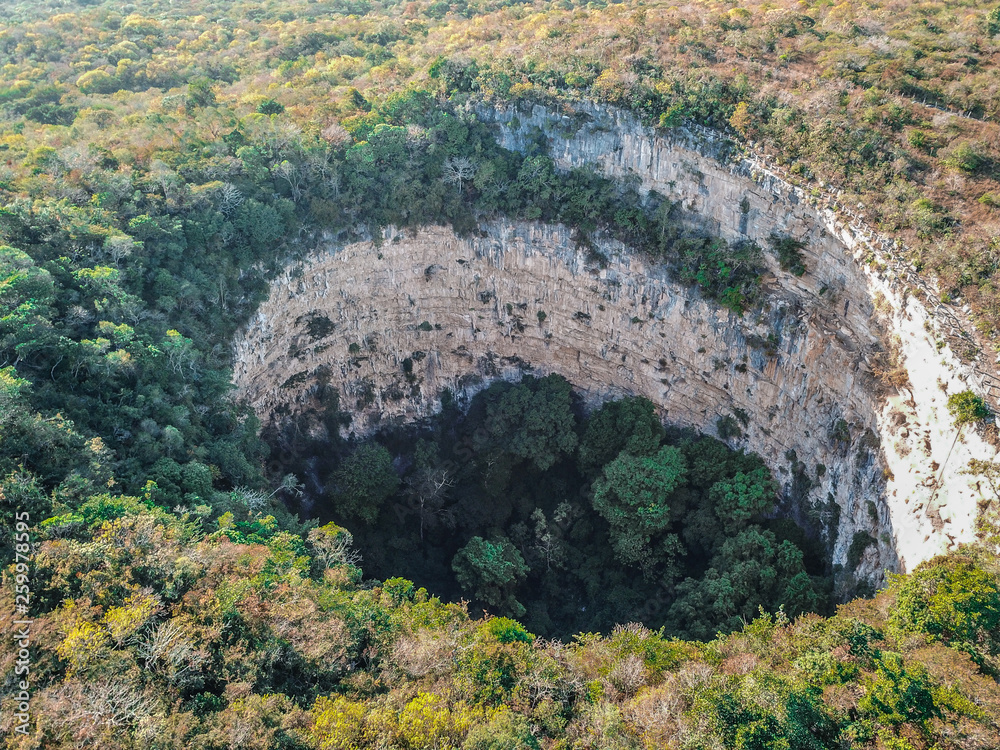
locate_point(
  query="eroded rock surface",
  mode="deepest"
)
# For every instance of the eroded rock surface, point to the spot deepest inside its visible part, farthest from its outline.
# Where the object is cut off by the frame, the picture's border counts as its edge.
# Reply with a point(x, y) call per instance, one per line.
point(391, 326)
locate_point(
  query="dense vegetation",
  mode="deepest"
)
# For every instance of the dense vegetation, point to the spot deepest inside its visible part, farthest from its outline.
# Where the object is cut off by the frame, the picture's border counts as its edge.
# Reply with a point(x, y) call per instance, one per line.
point(163, 630)
point(161, 162)
point(573, 524)
point(856, 94)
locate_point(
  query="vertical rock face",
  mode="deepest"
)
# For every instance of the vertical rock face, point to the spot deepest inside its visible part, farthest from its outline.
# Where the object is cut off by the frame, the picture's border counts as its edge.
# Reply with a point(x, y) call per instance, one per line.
point(391, 326)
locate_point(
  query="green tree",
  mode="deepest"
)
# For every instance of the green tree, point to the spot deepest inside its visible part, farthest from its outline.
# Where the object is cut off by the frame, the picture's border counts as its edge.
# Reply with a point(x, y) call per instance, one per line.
point(363, 482)
point(634, 491)
point(750, 570)
point(490, 571)
point(789, 252)
point(633, 495)
point(629, 425)
point(533, 421)
point(743, 497)
point(200, 94)
point(270, 107)
point(98, 82)
point(260, 226)
point(27, 299)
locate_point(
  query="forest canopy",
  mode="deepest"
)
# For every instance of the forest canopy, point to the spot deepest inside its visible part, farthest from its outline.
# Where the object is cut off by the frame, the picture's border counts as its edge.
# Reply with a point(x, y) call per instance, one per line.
point(573, 523)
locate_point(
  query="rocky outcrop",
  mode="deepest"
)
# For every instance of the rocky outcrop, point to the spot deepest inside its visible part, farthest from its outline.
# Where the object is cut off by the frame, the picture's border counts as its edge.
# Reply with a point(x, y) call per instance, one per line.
point(392, 324)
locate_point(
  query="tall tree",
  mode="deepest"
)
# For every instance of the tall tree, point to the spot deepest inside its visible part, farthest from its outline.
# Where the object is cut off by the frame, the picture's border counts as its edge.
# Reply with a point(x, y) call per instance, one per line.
point(363, 482)
point(490, 571)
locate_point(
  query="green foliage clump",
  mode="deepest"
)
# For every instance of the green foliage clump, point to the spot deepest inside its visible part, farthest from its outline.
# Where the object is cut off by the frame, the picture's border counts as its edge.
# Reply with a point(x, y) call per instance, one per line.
point(952, 601)
point(490, 570)
point(728, 428)
point(744, 496)
point(861, 541)
point(633, 491)
point(505, 630)
point(533, 421)
point(965, 157)
point(270, 107)
point(728, 274)
point(789, 252)
point(363, 482)
point(968, 408)
point(896, 694)
point(629, 425)
point(633, 494)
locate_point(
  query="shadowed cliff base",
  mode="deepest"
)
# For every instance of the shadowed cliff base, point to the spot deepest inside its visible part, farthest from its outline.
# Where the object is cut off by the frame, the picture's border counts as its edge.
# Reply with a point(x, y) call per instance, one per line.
point(525, 505)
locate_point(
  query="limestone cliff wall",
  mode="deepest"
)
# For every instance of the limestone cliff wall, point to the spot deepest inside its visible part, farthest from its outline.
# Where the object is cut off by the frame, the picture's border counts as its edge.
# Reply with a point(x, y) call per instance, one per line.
point(394, 324)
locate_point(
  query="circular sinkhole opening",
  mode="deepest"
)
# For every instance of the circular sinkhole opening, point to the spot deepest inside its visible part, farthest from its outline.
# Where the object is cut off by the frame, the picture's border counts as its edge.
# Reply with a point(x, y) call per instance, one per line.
point(374, 355)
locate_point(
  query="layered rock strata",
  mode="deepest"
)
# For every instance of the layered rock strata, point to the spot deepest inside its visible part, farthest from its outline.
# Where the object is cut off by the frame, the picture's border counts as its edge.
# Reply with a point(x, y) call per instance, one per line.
point(392, 324)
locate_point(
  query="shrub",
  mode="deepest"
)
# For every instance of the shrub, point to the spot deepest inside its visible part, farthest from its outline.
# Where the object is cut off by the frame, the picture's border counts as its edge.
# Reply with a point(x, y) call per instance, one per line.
point(427, 723)
point(966, 408)
point(861, 541)
point(98, 82)
point(727, 427)
point(270, 107)
point(840, 431)
point(490, 671)
point(505, 630)
point(953, 601)
point(789, 252)
point(338, 724)
point(898, 693)
point(965, 157)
